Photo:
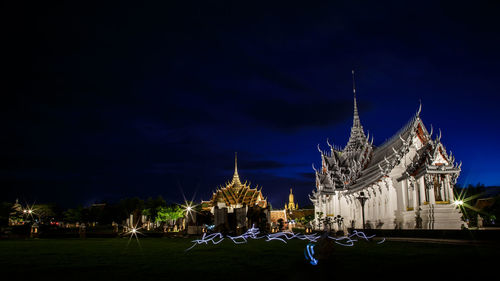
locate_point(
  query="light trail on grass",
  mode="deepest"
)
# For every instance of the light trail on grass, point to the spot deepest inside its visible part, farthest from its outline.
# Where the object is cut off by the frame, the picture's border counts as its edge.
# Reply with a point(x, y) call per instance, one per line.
point(205, 239)
point(254, 233)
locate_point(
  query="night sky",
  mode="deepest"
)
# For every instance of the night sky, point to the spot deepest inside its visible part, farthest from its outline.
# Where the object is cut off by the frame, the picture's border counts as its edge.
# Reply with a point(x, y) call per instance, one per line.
point(105, 102)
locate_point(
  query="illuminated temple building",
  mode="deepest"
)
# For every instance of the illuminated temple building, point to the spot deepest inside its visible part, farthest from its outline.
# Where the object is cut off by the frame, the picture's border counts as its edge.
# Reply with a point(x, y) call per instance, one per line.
point(408, 180)
point(234, 203)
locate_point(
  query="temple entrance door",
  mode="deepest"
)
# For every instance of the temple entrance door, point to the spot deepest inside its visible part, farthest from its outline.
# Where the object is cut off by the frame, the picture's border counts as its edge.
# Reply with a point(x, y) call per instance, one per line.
point(437, 193)
point(437, 189)
point(231, 221)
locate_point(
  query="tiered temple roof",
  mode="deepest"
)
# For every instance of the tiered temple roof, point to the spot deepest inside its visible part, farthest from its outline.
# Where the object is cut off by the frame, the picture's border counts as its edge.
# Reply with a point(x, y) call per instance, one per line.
point(236, 194)
point(361, 164)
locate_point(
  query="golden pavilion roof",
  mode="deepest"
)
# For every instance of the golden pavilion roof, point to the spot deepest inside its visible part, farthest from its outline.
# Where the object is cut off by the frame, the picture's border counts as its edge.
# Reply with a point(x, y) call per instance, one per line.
point(235, 192)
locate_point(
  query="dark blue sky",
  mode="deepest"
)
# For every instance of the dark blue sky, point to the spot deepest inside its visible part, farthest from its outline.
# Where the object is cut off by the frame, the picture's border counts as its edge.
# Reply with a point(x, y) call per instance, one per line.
point(103, 102)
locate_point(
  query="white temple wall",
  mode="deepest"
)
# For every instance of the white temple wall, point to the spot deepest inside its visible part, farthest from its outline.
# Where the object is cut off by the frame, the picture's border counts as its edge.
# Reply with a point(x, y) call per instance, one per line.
point(393, 204)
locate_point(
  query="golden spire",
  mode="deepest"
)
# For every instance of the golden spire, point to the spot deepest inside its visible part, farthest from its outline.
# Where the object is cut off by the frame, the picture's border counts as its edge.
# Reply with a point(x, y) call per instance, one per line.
point(236, 177)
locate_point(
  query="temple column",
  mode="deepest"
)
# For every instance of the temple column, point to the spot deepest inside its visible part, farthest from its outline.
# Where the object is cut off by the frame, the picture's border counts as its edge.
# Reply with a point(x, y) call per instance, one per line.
point(387, 214)
point(432, 197)
point(330, 204)
point(421, 188)
point(339, 206)
point(394, 197)
point(399, 196)
point(415, 194)
point(442, 188)
point(381, 214)
point(374, 206)
point(370, 208)
point(367, 207)
point(411, 194)
point(326, 206)
point(404, 188)
point(382, 202)
point(392, 205)
point(450, 189)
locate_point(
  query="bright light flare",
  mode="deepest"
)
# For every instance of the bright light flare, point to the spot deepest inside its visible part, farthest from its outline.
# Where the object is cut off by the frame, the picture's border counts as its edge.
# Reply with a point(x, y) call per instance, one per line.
point(463, 202)
point(189, 209)
point(132, 233)
point(29, 210)
point(189, 206)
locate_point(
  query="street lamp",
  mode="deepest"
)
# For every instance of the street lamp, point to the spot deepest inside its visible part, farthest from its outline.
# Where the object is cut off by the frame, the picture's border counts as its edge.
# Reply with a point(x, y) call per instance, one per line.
point(362, 199)
point(338, 219)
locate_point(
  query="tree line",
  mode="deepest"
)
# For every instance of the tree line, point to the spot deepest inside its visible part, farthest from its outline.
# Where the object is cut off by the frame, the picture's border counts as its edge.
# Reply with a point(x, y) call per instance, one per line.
point(155, 209)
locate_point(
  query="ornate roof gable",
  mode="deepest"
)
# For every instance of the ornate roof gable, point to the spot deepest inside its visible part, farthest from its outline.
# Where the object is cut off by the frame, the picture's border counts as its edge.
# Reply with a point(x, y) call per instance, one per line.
point(360, 163)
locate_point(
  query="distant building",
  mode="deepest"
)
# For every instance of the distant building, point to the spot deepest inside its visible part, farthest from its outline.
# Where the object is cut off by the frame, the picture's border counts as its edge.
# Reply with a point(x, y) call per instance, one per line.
point(237, 205)
point(291, 205)
point(291, 215)
point(408, 180)
point(277, 216)
point(16, 214)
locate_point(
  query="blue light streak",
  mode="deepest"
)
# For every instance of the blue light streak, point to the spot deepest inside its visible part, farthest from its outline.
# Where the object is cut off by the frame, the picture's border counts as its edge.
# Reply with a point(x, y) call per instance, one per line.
point(309, 253)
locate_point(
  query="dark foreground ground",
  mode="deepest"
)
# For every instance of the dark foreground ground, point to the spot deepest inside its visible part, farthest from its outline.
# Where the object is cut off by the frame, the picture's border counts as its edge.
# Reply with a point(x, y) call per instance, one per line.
point(165, 259)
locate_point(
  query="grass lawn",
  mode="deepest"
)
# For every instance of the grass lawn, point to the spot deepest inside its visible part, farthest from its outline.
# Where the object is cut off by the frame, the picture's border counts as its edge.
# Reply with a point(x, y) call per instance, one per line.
point(165, 259)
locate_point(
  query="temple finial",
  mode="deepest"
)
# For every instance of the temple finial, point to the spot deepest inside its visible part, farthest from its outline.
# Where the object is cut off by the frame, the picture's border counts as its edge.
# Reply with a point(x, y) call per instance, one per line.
point(236, 163)
point(353, 85)
point(356, 122)
point(236, 177)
